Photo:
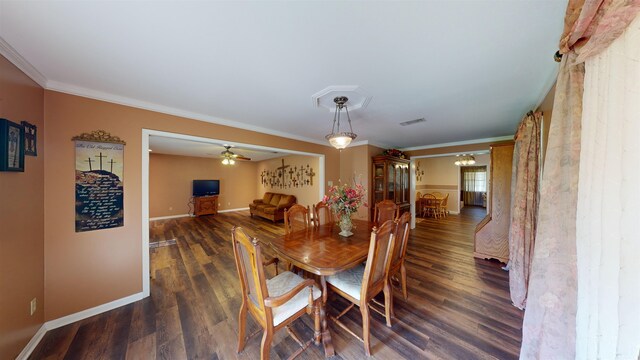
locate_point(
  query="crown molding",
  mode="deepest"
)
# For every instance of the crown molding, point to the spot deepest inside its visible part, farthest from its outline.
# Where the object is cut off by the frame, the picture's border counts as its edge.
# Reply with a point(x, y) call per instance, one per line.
point(126, 101)
point(369, 142)
point(16, 59)
point(457, 143)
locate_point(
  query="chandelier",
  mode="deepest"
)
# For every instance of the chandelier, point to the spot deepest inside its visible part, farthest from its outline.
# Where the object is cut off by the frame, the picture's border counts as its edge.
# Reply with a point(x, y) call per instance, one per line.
point(337, 139)
point(464, 160)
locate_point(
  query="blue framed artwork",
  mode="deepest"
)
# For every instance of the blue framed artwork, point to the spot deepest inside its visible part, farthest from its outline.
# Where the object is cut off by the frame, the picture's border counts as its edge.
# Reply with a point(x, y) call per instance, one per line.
point(11, 146)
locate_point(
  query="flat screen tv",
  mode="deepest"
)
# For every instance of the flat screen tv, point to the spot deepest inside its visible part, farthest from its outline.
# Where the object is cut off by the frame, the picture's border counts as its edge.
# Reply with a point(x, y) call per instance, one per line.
point(206, 187)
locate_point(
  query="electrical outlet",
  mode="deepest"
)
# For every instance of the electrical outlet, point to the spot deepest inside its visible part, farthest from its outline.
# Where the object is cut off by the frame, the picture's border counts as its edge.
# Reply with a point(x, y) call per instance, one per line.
point(229, 204)
point(170, 208)
point(33, 306)
point(330, 183)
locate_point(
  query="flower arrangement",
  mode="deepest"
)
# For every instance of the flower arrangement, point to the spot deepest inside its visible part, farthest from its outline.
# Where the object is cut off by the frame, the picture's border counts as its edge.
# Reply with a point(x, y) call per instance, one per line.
point(394, 152)
point(345, 199)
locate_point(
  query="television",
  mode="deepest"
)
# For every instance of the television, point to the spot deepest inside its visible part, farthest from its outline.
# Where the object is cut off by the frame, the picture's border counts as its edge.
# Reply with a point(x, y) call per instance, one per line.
point(206, 187)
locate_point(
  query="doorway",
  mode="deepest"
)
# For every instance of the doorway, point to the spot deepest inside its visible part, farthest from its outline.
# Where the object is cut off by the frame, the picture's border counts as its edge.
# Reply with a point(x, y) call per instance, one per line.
point(146, 134)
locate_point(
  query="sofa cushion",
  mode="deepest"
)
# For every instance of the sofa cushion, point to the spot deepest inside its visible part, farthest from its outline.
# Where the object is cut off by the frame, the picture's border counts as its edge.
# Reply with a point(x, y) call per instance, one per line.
point(286, 200)
point(261, 207)
point(269, 209)
point(266, 198)
point(275, 199)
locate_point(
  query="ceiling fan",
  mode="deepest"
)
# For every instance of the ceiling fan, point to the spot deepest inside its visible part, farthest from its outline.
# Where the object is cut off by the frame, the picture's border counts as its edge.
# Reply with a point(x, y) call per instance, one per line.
point(229, 157)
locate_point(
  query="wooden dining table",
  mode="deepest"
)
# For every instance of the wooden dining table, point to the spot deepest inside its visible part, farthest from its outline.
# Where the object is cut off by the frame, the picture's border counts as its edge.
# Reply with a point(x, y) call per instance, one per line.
point(321, 251)
point(422, 202)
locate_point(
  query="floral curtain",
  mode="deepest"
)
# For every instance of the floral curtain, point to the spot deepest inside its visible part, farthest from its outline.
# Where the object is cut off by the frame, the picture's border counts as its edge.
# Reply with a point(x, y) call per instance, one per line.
point(549, 328)
point(524, 206)
point(474, 184)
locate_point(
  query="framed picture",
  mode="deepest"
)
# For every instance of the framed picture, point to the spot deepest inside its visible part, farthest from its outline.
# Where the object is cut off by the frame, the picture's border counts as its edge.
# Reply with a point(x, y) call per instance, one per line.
point(30, 139)
point(11, 146)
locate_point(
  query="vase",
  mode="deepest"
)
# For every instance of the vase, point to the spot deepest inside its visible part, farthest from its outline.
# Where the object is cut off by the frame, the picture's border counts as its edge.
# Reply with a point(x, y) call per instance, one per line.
point(345, 225)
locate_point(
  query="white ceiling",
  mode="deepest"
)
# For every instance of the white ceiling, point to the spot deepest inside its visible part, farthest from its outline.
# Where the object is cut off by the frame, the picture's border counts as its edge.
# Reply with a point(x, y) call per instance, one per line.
point(187, 147)
point(471, 68)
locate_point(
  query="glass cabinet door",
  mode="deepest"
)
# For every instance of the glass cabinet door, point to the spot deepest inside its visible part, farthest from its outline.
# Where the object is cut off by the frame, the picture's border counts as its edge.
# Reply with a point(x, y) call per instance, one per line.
point(391, 187)
point(398, 183)
point(378, 183)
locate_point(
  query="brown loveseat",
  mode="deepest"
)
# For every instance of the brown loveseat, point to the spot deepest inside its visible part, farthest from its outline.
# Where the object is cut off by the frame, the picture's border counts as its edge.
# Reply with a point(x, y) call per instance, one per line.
point(272, 206)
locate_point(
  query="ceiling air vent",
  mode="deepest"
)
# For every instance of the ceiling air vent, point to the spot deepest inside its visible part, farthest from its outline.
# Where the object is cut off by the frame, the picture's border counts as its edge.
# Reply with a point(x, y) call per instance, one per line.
point(411, 122)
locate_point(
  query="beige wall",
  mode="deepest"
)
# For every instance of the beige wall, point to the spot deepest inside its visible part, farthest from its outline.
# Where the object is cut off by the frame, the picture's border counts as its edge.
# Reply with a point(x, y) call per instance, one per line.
point(92, 268)
point(21, 218)
point(305, 195)
point(442, 175)
point(171, 178)
point(355, 165)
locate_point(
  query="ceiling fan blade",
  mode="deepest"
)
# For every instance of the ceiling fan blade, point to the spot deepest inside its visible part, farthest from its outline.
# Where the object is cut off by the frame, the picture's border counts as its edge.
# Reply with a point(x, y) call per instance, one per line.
point(240, 157)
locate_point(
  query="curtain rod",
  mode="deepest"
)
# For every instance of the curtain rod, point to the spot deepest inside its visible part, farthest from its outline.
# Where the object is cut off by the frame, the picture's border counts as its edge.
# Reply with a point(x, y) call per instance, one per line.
point(557, 56)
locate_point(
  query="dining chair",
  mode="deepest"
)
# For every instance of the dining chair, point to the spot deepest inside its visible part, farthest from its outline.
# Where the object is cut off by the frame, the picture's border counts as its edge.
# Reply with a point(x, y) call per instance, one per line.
point(296, 218)
point(385, 210)
point(443, 206)
point(437, 194)
point(430, 204)
point(400, 240)
point(418, 202)
point(274, 303)
point(322, 214)
point(360, 284)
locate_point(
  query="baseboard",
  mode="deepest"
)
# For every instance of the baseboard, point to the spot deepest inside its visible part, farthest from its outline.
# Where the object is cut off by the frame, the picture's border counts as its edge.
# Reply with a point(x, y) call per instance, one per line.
point(232, 210)
point(454, 212)
point(35, 340)
point(169, 217)
point(66, 320)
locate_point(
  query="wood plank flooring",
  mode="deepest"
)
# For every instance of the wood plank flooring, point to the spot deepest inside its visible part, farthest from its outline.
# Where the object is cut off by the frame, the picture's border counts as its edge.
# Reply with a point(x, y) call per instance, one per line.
point(458, 307)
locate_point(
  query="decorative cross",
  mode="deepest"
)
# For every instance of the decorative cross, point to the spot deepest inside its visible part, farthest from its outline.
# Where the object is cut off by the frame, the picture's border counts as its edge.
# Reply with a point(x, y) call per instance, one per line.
point(101, 156)
point(90, 160)
point(310, 174)
point(111, 162)
point(281, 172)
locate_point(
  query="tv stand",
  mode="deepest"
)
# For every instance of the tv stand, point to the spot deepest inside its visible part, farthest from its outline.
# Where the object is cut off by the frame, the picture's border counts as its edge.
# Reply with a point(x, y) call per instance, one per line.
point(206, 205)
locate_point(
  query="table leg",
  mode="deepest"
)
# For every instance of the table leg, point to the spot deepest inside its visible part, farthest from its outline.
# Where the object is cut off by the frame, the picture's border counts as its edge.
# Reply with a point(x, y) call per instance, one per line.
point(326, 336)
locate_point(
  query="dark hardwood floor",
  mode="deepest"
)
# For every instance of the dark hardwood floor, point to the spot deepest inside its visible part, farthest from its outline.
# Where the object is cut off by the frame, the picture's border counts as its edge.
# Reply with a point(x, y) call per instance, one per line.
point(458, 307)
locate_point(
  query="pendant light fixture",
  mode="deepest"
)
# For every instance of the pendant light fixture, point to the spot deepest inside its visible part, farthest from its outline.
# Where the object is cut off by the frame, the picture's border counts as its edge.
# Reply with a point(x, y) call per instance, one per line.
point(465, 160)
point(337, 139)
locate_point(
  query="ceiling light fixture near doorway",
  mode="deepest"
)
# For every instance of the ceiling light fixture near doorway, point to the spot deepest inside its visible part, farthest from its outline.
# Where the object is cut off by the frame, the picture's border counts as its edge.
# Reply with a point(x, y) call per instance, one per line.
point(465, 160)
point(338, 139)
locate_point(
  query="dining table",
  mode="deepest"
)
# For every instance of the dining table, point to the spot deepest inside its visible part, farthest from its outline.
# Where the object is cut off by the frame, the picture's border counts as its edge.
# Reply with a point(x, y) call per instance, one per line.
point(321, 251)
point(422, 202)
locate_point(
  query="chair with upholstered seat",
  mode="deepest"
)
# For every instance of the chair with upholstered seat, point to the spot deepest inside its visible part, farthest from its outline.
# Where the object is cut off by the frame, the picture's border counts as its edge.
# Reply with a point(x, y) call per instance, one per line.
point(274, 303)
point(322, 214)
point(361, 283)
point(296, 218)
point(398, 252)
point(385, 210)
